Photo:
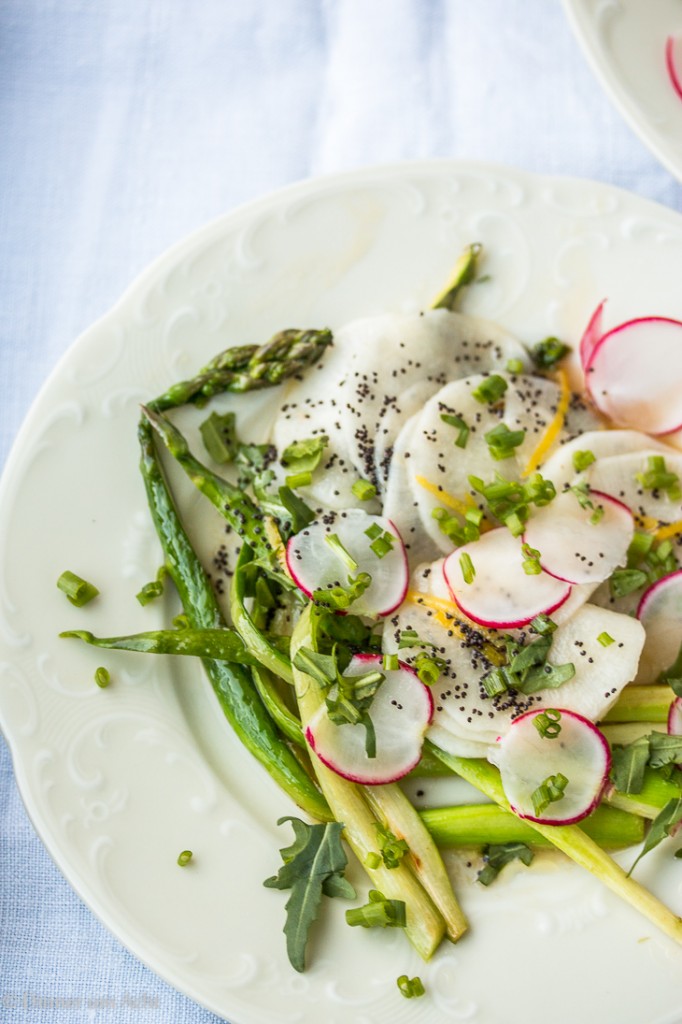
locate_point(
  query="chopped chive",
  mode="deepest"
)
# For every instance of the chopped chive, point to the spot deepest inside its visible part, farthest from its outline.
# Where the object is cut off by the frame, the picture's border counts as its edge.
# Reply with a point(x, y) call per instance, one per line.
point(364, 490)
point(531, 562)
point(429, 668)
point(548, 792)
point(219, 434)
point(150, 591)
point(490, 390)
point(458, 423)
point(411, 988)
point(514, 524)
point(514, 366)
point(373, 531)
point(605, 639)
point(102, 677)
point(378, 913)
point(547, 723)
point(390, 663)
point(372, 860)
point(495, 682)
point(597, 515)
point(502, 441)
point(625, 581)
point(76, 589)
point(640, 545)
point(341, 552)
point(658, 478)
point(383, 544)
point(184, 858)
point(392, 849)
point(581, 460)
point(303, 479)
point(546, 354)
point(467, 567)
point(542, 624)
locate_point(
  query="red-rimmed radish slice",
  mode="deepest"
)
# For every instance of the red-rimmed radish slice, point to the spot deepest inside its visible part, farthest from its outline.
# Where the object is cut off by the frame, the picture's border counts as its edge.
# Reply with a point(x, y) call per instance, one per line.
point(675, 718)
point(501, 595)
point(634, 373)
point(317, 564)
point(660, 612)
point(527, 759)
point(592, 335)
point(672, 63)
point(581, 544)
point(401, 712)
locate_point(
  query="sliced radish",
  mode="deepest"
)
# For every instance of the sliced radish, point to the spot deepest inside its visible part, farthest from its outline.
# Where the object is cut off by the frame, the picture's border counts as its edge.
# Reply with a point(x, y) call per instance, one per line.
point(501, 595)
point(675, 717)
point(443, 736)
point(579, 754)
point(592, 335)
point(671, 64)
point(560, 468)
point(317, 564)
point(581, 544)
point(660, 612)
point(400, 712)
point(634, 374)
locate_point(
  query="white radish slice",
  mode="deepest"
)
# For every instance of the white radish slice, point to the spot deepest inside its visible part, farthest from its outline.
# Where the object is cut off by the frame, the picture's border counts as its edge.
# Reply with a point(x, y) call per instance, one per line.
point(634, 374)
point(501, 595)
point(674, 718)
point(448, 740)
point(592, 335)
point(617, 476)
point(660, 612)
point(559, 467)
point(572, 546)
point(527, 759)
point(400, 505)
point(314, 563)
point(401, 711)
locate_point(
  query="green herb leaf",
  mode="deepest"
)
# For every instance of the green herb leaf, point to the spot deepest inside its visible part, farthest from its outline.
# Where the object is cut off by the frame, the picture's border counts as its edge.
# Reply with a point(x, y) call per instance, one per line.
point(313, 865)
point(498, 855)
point(661, 827)
point(546, 354)
point(628, 764)
point(219, 434)
point(460, 426)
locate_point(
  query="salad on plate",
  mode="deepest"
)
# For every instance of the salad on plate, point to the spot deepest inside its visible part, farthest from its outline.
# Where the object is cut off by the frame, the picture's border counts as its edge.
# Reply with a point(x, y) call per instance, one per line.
point(454, 555)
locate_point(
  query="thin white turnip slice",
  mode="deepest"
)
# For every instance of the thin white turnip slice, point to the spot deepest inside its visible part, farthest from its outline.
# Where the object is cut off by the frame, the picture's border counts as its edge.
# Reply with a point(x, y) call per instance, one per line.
point(400, 505)
point(400, 712)
point(501, 594)
point(338, 547)
point(556, 778)
point(443, 736)
point(634, 374)
point(660, 612)
point(618, 475)
point(578, 542)
point(560, 467)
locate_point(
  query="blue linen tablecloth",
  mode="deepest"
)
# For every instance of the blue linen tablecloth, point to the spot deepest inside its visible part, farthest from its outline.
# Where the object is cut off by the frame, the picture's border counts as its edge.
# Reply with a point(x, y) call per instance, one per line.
point(124, 125)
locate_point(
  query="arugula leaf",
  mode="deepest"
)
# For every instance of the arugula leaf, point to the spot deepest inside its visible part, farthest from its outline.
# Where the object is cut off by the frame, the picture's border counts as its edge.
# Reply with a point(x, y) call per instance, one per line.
point(313, 866)
point(496, 856)
point(662, 826)
point(628, 764)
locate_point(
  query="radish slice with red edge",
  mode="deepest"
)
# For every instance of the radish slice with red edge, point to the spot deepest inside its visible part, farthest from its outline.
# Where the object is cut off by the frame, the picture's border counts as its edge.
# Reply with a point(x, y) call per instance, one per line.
point(576, 752)
point(634, 372)
point(401, 712)
point(591, 336)
point(675, 718)
point(338, 546)
point(660, 612)
point(501, 594)
point(581, 544)
point(671, 64)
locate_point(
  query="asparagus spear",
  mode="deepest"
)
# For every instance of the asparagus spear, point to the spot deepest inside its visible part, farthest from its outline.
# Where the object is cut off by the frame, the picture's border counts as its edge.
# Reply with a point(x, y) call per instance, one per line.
point(232, 684)
point(259, 645)
point(649, 703)
point(249, 367)
point(572, 841)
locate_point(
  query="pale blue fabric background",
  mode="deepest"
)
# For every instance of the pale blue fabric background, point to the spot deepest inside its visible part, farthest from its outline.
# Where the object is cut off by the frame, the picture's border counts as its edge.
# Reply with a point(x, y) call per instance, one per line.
point(124, 125)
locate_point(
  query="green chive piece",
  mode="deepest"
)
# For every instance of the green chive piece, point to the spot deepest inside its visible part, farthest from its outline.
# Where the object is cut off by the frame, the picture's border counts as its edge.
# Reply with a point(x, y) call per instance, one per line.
point(467, 567)
point(581, 460)
point(658, 478)
point(548, 724)
point(502, 441)
point(531, 562)
point(514, 366)
point(219, 434)
point(546, 354)
point(373, 531)
point(383, 544)
point(378, 913)
point(625, 581)
point(184, 858)
point(372, 861)
point(390, 663)
point(605, 639)
point(460, 426)
point(102, 677)
point(150, 591)
point(364, 490)
point(548, 792)
point(495, 682)
point(490, 390)
point(303, 479)
point(428, 668)
point(76, 589)
point(411, 988)
point(341, 552)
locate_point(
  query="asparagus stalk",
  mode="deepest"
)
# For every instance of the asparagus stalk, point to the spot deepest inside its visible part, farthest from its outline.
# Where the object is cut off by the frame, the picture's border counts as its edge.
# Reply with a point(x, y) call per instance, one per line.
point(267, 654)
point(464, 273)
point(652, 798)
point(249, 367)
point(425, 926)
point(649, 703)
point(482, 824)
point(572, 841)
point(232, 684)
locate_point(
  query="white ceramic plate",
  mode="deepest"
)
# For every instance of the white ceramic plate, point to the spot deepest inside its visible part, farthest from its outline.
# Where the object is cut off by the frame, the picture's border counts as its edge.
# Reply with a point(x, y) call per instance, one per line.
point(118, 781)
point(624, 42)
